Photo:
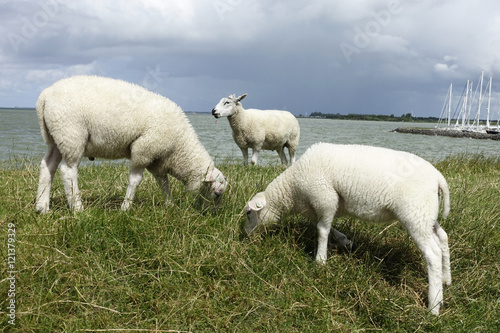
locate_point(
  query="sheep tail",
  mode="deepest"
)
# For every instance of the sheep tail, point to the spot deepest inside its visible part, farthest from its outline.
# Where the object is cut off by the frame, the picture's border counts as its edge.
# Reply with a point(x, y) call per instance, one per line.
point(40, 110)
point(445, 195)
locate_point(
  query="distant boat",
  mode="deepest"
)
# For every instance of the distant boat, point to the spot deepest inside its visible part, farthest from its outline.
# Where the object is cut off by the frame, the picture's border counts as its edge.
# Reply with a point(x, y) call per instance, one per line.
point(462, 115)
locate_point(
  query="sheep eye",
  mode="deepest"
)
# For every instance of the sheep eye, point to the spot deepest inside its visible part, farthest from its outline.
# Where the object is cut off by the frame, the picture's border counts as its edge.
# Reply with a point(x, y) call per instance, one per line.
point(226, 102)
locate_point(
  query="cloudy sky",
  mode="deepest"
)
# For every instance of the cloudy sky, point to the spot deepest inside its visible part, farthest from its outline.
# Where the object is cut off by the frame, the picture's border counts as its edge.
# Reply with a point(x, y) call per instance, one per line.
point(346, 56)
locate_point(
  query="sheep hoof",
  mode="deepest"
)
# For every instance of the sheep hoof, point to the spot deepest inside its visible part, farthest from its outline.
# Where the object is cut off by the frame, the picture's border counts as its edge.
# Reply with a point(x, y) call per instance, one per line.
point(125, 205)
point(435, 310)
point(42, 209)
point(321, 260)
point(447, 280)
point(341, 241)
point(78, 207)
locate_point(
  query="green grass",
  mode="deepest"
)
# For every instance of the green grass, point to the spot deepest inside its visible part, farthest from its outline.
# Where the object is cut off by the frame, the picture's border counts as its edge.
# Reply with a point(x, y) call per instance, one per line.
point(178, 268)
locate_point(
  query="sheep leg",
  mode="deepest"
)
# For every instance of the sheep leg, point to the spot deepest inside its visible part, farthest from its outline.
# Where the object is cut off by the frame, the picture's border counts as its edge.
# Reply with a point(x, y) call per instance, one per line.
point(441, 238)
point(134, 179)
point(245, 155)
point(325, 204)
point(291, 152)
point(255, 155)
point(433, 256)
point(69, 175)
point(342, 239)
point(431, 249)
point(165, 187)
point(48, 168)
point(324, 226)
point(281, 153)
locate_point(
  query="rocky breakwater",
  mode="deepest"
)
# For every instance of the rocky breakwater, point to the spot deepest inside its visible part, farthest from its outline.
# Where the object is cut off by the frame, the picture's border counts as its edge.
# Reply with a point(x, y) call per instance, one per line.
point(447, 132)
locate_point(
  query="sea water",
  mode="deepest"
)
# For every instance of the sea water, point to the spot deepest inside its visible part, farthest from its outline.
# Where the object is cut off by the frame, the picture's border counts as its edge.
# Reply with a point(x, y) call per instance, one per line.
point(20, 137)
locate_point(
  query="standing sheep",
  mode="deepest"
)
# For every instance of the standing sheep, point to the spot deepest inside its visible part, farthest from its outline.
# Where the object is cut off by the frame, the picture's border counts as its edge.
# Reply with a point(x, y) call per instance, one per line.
point(373, 184)
point(260, 129)
point(101, 117)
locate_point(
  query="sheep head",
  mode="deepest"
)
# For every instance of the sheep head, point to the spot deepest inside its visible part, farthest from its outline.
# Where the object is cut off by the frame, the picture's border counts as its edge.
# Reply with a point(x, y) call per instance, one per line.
point(214, 184)
point(257, 212)
point(227, 106)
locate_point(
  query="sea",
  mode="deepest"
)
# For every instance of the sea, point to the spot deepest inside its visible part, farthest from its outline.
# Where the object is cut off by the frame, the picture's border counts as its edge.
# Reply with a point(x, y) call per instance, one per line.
point(20, 139)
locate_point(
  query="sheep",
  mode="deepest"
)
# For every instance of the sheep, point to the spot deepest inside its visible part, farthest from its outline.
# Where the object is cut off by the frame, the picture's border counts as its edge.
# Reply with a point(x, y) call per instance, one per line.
point(259, 129)
point(370, 183)
point(102, 117)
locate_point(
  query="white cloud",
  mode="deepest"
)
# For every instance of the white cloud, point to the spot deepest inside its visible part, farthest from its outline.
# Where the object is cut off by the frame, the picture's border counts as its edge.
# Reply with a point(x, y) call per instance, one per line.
point(450, 58)
point(440, 67)
point(5, 84)
point(52, 75)
point(392, 44)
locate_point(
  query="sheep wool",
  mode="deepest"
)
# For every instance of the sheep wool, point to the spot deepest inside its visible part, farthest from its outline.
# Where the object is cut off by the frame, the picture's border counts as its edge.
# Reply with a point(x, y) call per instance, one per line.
point(90, 116)
point(260, 129)
point(370, 183)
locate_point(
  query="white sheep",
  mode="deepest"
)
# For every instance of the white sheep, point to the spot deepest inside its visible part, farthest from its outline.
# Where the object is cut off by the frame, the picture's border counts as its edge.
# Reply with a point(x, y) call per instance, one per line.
point(101, 117)
point(373, 184)
point(260, 129)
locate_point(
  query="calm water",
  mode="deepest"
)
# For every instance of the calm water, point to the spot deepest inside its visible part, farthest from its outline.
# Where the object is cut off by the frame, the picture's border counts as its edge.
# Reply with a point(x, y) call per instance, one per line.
point(20, 137)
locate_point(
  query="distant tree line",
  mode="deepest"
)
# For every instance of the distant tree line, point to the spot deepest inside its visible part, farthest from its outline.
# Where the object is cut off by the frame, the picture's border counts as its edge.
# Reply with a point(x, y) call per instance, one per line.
point(374, 117)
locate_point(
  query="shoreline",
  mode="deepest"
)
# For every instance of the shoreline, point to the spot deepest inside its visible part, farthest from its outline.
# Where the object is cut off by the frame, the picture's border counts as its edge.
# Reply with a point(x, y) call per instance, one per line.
point(450, 133)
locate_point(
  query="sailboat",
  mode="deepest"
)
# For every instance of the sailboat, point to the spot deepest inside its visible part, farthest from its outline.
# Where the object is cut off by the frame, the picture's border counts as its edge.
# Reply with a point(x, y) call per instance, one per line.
point(490, 129)
point(464, 109)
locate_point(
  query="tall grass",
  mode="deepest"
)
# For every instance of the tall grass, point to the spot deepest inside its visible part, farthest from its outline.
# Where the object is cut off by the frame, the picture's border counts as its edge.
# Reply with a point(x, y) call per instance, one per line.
point(179, 268)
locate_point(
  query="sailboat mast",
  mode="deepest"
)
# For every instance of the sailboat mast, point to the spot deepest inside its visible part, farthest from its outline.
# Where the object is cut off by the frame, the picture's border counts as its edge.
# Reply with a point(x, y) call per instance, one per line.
point(466, 105)
point(489, 104)
point(449, 106)
point(480, 100)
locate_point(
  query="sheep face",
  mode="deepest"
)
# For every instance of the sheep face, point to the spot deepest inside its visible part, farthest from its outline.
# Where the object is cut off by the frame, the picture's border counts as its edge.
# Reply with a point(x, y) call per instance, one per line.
point(257, 213)
point(214, 184)
point(227, 106)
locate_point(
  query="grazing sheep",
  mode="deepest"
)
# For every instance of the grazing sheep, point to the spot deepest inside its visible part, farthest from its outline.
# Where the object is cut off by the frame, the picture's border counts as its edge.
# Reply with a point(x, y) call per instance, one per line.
point(260, 129)
point(102, 117)
point(373, 184)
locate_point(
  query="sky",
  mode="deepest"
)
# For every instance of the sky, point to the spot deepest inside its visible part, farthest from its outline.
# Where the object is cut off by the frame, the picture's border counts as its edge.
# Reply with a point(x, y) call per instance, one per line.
point(344, 56)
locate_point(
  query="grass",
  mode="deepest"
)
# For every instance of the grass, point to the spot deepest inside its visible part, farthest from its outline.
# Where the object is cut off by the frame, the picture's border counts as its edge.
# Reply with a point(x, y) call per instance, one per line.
point(177, 268)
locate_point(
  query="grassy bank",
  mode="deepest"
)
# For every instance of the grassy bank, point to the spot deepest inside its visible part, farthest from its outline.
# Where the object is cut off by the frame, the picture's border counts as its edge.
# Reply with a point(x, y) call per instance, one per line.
point(168, 269)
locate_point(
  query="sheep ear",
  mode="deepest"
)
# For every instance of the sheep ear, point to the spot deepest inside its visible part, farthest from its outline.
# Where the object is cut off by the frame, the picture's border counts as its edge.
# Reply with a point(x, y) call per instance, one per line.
point(209, 178)
point(214, 175)
point(241, 97)
point(257, 205)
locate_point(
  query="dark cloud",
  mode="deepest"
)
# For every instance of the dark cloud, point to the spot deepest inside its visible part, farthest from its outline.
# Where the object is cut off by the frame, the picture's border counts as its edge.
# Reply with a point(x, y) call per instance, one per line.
point(364, 56)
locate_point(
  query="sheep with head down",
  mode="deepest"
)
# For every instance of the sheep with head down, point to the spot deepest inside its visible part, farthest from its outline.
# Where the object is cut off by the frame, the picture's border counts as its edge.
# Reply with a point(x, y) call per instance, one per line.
point(260, 129)
point(371, 183)
point(90, 116)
